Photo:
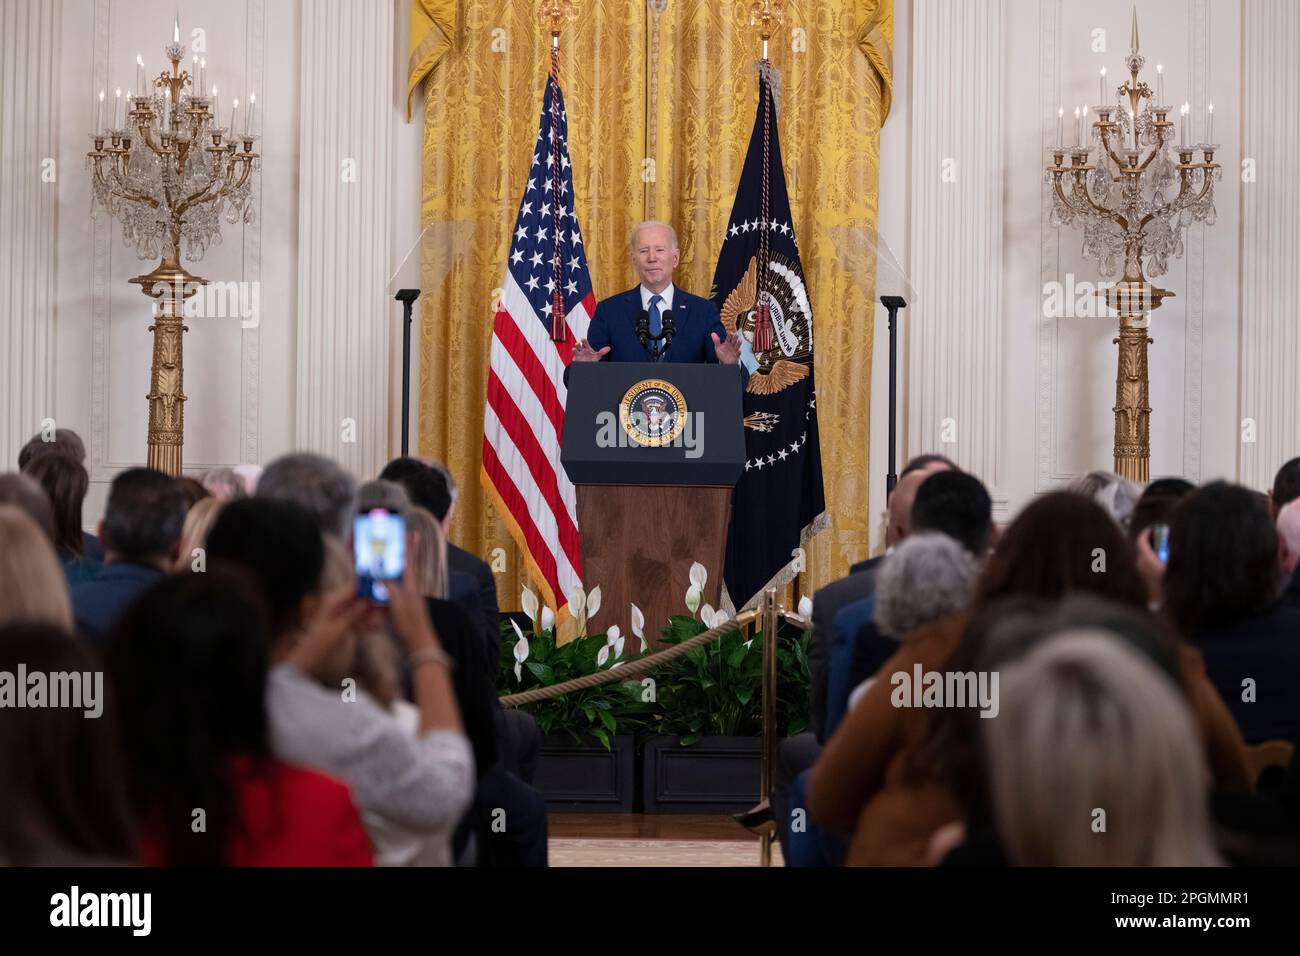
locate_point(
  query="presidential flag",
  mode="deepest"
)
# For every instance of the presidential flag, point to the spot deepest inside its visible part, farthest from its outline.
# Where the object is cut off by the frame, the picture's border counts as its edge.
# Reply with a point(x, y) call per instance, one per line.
point(546, 305)
point(759, 289)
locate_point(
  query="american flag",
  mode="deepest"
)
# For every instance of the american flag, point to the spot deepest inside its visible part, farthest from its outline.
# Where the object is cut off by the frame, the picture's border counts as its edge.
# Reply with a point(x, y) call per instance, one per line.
point(546, 276)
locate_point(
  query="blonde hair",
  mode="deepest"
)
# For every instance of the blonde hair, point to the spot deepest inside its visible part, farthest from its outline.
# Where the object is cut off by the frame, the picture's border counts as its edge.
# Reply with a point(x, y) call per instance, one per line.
point(32, 585)
point(1088, 725)
point(372, 656)
point(428, 558)
point(194, 533)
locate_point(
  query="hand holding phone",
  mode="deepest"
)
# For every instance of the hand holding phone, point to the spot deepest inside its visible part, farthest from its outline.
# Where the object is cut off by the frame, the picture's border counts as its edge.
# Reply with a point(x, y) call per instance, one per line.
point(1160, 542)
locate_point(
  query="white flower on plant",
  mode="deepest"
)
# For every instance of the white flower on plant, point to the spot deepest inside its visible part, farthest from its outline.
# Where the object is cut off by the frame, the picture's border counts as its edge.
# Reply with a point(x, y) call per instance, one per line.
point(699, 576)
point(805, 608)
point(638, 626)
point(548, 618)
point(693, 597)
point(593, 602)
point(748, 642)
point(615, 664)
point(706, 615)
point(528, 601)
point(577, 601)
point(602, 656)
point(720, 617)
point(615, 640)
point(520, 651)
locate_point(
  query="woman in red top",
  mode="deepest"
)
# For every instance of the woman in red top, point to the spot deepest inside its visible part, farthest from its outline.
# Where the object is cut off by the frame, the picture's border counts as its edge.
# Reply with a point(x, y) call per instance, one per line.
point(188, 661)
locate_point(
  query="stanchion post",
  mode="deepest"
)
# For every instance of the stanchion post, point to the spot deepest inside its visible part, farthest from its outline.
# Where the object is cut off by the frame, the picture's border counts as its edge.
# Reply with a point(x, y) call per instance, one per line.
point(771, 616)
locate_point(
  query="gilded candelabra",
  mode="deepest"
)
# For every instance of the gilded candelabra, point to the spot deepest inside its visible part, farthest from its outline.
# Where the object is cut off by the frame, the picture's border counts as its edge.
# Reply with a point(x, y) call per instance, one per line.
point(168, 173)
point(1134, 203)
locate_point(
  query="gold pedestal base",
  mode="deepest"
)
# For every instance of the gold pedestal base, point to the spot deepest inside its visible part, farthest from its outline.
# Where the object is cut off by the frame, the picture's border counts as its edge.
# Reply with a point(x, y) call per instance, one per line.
point(1133, 299)
point(169, 286)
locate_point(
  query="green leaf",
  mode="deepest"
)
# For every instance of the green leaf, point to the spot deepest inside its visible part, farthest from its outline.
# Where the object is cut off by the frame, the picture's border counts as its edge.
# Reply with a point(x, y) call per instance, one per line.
point(542, 672)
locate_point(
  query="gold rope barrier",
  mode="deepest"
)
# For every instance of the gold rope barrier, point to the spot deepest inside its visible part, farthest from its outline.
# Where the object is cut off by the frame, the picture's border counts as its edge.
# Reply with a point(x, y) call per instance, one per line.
point(770, 614)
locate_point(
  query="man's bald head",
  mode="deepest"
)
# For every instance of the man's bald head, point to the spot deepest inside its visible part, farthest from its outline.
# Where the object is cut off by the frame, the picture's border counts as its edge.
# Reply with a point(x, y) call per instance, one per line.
point(900, 501)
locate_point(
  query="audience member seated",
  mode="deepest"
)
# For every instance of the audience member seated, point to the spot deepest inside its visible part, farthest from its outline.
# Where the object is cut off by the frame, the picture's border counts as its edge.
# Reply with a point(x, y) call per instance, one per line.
point(32, 586)
point(64, 800)
point(65, 482)
point(365, 656)
point(141, 531)
point(948, 751)
point(325, 490)
point(1222, 590)
point(431, 487)
point(1288, 531)
point(229, 484)
point(191, 553)
point(858, 784)
point(1118, 496)
point(193, 490)
point(1286, 487)
point(418, 783)
point(27, 496)
point(1088, 726)
point(189, 663)
point(62, 441)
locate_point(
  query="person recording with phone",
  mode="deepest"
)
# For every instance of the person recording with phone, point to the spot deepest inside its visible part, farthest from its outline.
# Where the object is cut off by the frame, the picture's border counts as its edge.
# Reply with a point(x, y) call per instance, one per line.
point(422, 782)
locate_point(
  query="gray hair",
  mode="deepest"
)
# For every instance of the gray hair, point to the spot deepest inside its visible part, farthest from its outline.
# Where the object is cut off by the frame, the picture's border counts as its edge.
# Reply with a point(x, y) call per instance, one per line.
point(1117, 496)
point(929, 575)
point(636, 231)
point(1288, 525)
point(386, 495)
point(314, 483)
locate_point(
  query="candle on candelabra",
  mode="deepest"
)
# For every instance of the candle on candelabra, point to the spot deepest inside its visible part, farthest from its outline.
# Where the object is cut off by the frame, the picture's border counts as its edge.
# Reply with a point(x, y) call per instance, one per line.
point(1183, 123)
point(117, 111)
point(1078, 130)
point(1102, 87)
point(176, 30)
point(1160, 85)
point(1209, 123)
point(139, 74)
point(99, 115)
point(1083, 127)
point(203, 77)
point(1060, 115)
point(252, 108)
point(216, 109)
point(234, 115)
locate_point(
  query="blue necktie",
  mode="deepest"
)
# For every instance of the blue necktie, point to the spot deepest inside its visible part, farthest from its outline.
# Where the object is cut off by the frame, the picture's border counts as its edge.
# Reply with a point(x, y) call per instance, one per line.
point(656, 326)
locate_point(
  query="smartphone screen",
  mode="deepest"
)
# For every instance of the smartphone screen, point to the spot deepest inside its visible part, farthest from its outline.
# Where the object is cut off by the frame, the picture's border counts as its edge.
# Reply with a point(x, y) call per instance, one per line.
point(1160, 541)
point(379, 545)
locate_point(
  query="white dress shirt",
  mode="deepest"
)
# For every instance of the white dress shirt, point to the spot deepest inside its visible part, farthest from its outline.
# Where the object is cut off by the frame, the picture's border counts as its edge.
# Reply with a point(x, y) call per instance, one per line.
point(666, 296)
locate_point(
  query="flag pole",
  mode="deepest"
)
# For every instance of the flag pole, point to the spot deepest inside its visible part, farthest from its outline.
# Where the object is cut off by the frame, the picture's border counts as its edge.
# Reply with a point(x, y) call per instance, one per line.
point(553, 14)
point(764, 14)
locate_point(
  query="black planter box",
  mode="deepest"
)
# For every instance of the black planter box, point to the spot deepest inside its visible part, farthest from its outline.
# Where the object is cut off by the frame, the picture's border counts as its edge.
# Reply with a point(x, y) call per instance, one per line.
point(585, 777)
point(712, 775)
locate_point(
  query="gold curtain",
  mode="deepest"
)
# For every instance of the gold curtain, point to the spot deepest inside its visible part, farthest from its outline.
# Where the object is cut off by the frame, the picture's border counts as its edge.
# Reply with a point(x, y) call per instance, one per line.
point(672, 81)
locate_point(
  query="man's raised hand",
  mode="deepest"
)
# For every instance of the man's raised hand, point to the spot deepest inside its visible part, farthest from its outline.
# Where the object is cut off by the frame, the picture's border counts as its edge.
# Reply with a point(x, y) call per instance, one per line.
point(583, 352)
point(728, 349)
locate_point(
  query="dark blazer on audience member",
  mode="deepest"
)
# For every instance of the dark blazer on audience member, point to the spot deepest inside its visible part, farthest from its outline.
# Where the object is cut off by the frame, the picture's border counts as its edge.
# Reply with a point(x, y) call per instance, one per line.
point(827, 602)
point(473, 677)
point(1265, 649)
point(98, 603)
point(461, 561)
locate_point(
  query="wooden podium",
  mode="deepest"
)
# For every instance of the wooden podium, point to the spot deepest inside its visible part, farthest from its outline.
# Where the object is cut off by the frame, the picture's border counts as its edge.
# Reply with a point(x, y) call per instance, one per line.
point(654, 451)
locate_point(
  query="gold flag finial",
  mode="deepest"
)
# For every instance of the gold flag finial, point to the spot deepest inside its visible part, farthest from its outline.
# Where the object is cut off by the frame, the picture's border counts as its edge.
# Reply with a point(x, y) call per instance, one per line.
point(555, 13)
point(766, 14)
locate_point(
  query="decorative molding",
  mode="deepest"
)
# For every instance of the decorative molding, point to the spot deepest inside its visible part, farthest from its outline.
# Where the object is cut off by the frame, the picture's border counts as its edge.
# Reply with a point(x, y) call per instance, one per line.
point(958, 323)
point(1270, 244)
point(1198, 15)
point(343, 232)
point(29, 104)
point(1046, 340)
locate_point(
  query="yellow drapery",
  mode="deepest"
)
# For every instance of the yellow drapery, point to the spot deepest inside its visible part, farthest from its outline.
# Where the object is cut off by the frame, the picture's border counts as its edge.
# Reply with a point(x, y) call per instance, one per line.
point(660, 98)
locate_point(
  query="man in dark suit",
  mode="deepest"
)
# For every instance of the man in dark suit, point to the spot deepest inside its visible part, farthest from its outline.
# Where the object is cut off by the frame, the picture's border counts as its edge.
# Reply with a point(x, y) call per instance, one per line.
point(141, 532)
point(656, 321)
